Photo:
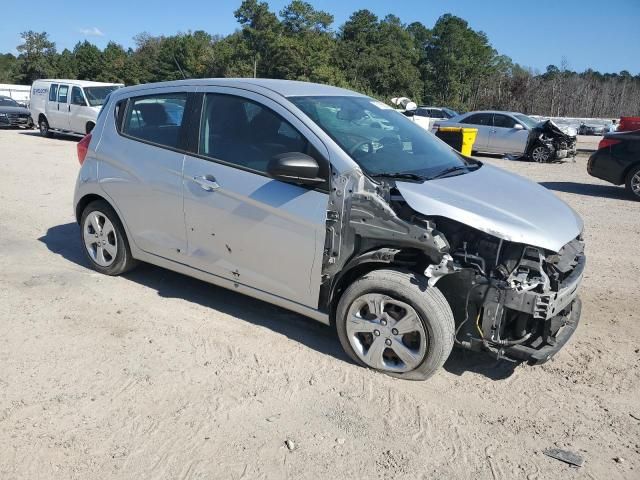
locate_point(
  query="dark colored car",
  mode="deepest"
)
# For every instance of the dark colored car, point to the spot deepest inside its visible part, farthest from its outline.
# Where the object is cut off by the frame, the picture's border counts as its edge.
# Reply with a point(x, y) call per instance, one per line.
point(12, 114)
point(617, 160)
point(585, 129)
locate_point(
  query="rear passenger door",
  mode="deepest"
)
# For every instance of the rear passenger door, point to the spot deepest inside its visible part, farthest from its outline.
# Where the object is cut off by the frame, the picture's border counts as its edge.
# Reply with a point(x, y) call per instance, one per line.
point(482, 122)
point(242, 224)
point(141, 155)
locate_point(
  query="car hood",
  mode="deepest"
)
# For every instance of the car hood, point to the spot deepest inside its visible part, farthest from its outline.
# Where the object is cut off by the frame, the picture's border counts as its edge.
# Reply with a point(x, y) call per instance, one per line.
point(14, 110)
point(499, 203)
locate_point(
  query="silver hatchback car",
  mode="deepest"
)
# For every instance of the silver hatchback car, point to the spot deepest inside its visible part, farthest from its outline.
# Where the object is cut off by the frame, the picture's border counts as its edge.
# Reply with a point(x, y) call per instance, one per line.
point(293, 193)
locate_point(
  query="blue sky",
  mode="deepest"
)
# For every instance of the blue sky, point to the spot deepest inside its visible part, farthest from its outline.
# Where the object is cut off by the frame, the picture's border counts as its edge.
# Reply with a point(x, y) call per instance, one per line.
point(597, 34)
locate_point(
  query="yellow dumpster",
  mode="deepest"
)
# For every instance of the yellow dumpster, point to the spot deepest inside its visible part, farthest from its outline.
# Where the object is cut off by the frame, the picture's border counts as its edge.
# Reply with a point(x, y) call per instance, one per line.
point(461, 139)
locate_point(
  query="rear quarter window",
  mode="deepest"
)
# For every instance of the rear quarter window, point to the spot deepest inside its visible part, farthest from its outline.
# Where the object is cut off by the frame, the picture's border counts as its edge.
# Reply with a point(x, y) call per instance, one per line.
point(156, 119)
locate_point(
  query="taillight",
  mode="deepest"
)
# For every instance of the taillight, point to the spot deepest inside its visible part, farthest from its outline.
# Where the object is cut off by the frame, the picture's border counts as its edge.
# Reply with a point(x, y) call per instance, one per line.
point(83, 148)
point(607, 142)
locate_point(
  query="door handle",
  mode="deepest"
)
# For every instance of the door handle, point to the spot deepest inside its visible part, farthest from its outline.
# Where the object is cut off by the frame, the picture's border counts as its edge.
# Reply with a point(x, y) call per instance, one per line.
point(69, 108)
point(207, 182)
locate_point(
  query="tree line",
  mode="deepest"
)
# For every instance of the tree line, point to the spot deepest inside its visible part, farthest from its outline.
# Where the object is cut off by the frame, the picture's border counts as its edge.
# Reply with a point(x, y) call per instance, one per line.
point(450, 64)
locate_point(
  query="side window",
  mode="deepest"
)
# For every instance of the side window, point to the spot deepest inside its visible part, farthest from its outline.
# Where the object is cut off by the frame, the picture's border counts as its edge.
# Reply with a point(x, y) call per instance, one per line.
point(156, 118)
point(437, 114)
point(63, 93)
point(76, 97)
point(422, 112)
point(478, 119)
point(242, 132)
point(503, 121)
point(53, 92)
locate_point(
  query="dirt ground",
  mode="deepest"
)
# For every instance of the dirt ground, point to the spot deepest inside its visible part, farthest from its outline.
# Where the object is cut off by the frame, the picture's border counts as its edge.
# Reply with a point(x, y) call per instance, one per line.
point(158, 376)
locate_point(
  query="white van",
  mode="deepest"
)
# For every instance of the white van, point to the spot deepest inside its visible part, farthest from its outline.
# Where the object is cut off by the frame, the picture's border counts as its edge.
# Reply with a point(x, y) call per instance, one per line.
point(68, 106)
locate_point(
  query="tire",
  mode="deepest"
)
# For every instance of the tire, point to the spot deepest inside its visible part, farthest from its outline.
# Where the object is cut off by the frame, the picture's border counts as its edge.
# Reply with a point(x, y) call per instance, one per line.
point(104, 240)
point(44, 128)
point(632, 182)
point(89, 127)
point(541, 154)
point(395, 293)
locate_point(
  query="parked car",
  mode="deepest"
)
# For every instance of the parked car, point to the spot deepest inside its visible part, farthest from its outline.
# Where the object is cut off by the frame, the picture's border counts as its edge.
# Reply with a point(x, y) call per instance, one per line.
point(516, 134)
point(427, 116)
point(585, 129)
point(12, 114)
point(628, 124)
point(617, 161)
point(68, 106)
point(275, 189)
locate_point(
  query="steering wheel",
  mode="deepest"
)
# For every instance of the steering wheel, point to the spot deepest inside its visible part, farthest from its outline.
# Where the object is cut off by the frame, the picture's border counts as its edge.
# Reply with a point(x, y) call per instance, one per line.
point(361, 144)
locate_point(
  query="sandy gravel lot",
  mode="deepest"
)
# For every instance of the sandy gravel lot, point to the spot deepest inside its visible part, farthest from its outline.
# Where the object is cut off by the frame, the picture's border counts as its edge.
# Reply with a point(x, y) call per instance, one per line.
point(158, 376)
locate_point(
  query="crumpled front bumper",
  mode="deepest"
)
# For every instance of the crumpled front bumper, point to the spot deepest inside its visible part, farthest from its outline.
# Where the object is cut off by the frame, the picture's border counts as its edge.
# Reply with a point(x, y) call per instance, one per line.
point(555, 315)
point(538, 356)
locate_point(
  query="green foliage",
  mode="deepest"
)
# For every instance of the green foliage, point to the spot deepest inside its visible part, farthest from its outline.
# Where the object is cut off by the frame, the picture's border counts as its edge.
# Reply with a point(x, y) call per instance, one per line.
point(37, 57)
point(8, 68)
point(449, 65)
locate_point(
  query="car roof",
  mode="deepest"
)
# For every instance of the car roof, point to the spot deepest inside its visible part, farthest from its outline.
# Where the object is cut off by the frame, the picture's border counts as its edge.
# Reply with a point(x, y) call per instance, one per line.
point(82, 83)
point(285, 88)
point(494, 111)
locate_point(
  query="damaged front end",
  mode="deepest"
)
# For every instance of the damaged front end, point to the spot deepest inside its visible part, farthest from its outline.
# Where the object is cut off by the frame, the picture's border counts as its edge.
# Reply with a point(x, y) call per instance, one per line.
point(521, 301)
point(548, 142)
point(513, 300)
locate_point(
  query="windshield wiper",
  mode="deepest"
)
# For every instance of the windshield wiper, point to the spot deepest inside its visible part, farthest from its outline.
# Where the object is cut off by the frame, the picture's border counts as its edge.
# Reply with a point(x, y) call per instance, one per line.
point(399, 176)
point(458, 168)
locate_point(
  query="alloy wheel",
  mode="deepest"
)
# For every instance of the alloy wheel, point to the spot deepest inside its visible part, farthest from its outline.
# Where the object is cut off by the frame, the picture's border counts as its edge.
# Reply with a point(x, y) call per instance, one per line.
point(385, 333)
point(635, 184)
point(100, 238)
point(540, 154)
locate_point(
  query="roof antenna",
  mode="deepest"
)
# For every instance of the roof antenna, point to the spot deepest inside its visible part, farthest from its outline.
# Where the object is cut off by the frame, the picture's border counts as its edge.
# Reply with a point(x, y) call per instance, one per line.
point(178, 65)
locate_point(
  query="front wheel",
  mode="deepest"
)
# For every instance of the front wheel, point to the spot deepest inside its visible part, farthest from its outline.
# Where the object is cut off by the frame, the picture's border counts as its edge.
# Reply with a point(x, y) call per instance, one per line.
point(633, 182)
point(44, 128)
point(392, 321)
point(541, 154)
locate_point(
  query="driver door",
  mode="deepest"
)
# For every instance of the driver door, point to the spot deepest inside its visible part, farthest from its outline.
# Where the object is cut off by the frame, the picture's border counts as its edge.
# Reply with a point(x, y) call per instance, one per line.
point(241, 224)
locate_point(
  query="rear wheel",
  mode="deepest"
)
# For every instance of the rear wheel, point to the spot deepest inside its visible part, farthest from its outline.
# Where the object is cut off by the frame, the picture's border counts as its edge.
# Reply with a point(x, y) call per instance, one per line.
point(104, 239)
point(392, 321)
point(44, 128)
point(89, 127)
point(633, 182)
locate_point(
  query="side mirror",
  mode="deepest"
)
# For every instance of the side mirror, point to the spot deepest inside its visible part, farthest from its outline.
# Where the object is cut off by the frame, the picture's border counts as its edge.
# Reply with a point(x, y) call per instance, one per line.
point(295, 167)
point(518, 126)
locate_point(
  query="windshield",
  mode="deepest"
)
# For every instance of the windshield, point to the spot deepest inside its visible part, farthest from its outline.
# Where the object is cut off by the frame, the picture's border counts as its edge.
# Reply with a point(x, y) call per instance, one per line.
point(8, 102)
point(380, 139)
point(96, 96)
point(528, 121)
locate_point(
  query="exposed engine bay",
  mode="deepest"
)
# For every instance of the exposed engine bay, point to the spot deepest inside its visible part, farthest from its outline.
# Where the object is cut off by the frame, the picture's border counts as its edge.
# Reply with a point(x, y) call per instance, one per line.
point(547, 142)
point(512, 300)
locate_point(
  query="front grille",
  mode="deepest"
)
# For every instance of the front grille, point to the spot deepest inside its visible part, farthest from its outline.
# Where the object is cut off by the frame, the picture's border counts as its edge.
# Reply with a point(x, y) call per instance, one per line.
point(18, 117)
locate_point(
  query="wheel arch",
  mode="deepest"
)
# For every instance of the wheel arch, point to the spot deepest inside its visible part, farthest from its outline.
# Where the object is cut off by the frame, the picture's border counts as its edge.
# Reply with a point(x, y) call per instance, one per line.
point(627, 171)
point(86, 200)
point(381, 258)
point(89, 126)
point(42, 116)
